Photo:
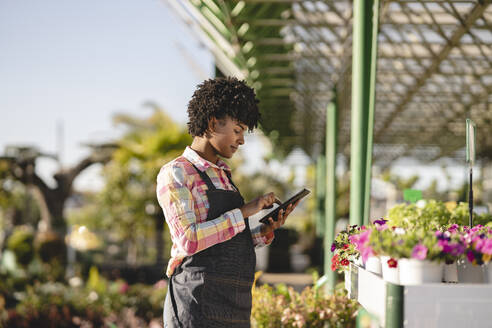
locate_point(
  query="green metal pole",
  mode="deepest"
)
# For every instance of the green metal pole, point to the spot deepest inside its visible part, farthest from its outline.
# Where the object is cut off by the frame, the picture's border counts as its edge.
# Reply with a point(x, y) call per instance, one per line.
point(361, 69)
point(320, 195)
point(330, 204)
point(372, 101)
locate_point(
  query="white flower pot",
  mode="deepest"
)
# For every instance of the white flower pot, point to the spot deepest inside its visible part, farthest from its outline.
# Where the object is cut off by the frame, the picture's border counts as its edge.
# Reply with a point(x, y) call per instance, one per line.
point(348, 281)
point(469, 273)
point(418, 272)
point(488, 272)
point(450, 273)
point(373, 265)
point(358, 262)
point(389, 274)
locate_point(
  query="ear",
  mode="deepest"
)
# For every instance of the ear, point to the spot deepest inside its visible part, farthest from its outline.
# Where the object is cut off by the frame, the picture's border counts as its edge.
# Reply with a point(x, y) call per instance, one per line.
point(212, 124)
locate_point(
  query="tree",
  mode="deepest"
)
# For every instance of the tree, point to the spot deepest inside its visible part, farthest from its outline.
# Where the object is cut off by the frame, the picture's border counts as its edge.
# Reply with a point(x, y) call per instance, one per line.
point(127, 205)
point(19, 164)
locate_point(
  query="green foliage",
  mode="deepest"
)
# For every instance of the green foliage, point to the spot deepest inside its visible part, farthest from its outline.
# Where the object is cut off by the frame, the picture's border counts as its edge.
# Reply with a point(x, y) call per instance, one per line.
point(58, 305)
point(432, 214)
point(121, 207)
point(282, 306)
point(21, 242)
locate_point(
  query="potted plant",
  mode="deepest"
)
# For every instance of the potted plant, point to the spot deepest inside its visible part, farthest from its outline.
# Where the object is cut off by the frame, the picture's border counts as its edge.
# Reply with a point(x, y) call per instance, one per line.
point(410, 257)
point(478, 251)
point(344, 251)
point(453, 247)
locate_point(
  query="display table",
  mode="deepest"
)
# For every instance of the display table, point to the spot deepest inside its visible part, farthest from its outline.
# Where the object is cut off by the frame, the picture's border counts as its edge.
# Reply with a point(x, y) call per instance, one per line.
point(429, 305)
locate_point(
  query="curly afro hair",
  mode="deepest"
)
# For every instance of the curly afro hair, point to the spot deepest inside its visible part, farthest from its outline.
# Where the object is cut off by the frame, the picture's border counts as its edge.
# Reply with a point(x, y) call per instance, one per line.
point(219, 98)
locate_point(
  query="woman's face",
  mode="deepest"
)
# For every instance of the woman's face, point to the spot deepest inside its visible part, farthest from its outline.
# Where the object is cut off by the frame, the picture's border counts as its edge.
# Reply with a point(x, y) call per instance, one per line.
point(226, 136)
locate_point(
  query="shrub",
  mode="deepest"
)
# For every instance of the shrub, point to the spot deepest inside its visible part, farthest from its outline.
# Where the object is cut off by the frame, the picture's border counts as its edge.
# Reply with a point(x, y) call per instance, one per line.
point(54, 304)
point(21, 243)
point(282, 306)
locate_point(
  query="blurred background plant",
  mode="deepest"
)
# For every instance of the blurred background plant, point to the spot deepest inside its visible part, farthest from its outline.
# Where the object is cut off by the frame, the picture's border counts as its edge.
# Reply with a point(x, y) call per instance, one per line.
point(281, 306)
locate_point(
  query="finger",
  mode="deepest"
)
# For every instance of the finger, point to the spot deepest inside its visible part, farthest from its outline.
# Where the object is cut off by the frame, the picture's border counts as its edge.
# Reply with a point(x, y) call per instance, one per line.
point(295, 205)
point(284, 217)
point(281, 217)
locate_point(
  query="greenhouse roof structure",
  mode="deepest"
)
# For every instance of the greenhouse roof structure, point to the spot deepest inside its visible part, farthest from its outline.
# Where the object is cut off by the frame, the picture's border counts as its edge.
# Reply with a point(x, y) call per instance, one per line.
point(434, 70)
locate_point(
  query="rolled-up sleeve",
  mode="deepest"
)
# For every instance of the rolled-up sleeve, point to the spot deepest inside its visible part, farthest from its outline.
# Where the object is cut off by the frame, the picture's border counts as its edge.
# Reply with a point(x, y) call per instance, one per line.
point(187, 232)
point(258, 239)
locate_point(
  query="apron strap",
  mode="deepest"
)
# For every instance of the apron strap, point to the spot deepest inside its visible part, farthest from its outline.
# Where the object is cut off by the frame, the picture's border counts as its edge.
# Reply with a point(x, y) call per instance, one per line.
point(230, 179)
point(205, 178)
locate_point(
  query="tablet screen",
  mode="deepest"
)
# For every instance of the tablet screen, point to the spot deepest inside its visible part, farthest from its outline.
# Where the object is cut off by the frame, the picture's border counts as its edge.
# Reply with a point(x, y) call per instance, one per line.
point(274, 214)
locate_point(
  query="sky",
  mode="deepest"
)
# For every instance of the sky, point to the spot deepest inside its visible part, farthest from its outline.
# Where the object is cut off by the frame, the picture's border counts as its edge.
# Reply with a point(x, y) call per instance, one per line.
point(75, 64)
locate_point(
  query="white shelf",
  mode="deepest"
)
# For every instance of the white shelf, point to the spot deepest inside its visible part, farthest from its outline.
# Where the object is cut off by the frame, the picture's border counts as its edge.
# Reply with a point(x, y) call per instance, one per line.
point(429, 305)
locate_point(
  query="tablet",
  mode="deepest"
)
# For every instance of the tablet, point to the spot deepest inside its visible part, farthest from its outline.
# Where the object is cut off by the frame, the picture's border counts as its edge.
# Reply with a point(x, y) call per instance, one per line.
point(274, 214)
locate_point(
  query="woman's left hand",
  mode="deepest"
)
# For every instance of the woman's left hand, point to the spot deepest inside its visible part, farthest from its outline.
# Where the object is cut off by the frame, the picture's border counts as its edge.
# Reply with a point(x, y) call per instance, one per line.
point(267, 229)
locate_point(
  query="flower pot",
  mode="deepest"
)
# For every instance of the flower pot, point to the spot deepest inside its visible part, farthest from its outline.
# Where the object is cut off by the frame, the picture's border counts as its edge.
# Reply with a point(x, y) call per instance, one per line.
point(373, 265)
point(418, 272)
point(450, 273)
point(348, 279)
point(469, 273)
point(389, 274)
point(488, 272)
point(358, 262)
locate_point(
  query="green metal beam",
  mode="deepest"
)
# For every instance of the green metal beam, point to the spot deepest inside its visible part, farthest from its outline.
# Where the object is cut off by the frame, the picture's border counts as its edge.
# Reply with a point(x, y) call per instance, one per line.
point(370, 116)
point(320, 195)
point(361, 79)
point(330, 202)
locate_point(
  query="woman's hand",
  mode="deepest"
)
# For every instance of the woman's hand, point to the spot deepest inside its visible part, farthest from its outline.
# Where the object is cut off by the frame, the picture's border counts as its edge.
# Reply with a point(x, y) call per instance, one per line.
point(256, 205)
point(267, 229)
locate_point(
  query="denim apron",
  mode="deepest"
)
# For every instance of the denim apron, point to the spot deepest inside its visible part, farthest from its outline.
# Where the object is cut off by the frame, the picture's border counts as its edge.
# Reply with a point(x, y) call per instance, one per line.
point(212, 288)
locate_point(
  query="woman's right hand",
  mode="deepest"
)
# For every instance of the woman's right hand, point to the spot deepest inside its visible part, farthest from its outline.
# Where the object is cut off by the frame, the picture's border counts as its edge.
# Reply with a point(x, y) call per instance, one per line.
point(259, 203)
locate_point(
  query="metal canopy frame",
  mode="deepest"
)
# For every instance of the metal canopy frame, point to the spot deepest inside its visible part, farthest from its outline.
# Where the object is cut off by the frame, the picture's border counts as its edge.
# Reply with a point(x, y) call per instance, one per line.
point(434, 70)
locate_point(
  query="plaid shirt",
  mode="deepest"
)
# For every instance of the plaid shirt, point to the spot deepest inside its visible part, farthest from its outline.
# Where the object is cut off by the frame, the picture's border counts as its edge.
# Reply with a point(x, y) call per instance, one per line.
point(182, 195)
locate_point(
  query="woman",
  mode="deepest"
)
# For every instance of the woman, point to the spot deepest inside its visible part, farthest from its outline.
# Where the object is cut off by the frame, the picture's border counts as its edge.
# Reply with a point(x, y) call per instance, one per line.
point(211, 270)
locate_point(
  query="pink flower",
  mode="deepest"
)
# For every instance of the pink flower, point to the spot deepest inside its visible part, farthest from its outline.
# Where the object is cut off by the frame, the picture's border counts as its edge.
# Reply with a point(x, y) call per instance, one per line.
point(364, 237)
point(160, 284)
point(381, 224)
point(365, 253)
point(487, 247)
point(361, 242)
point(123, 288)
point(419, 252)
point(382, 227)
point(453, 227)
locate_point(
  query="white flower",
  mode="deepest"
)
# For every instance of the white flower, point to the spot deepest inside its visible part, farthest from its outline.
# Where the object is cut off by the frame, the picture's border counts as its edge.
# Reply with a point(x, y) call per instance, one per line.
point(93, 296)
point(399, 231)
point(75, 282)
point(421, 203)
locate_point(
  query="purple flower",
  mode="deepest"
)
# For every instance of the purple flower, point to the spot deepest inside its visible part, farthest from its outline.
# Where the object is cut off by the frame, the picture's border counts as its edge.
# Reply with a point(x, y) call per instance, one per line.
point(381, 224)
point(380, 221)
point(419, 252)
point(453, 227)
point(333, 247)
point(457, 249)
point(470, 256)
point(453, 249)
